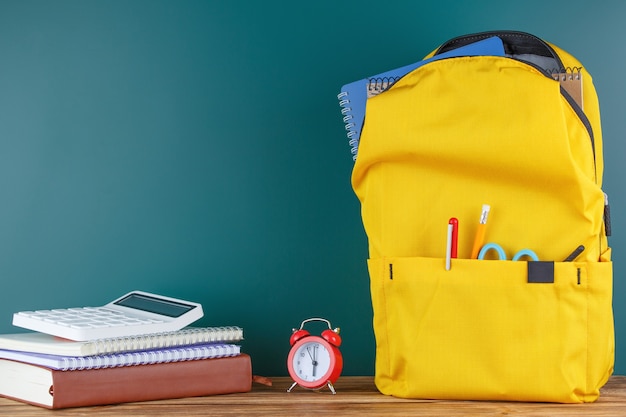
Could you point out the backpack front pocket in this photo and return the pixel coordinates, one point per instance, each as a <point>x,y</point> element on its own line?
<point>482,331</point>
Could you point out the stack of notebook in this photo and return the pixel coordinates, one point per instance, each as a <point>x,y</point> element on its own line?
<point>50,372</point>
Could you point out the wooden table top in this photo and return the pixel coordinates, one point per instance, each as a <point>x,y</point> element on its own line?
<point>356,396</point>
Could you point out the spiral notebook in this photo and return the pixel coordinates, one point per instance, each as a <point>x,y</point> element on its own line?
<point>45,343</point>
<point>144,357</point>
<point>571,80</point>
<point>353,97</point>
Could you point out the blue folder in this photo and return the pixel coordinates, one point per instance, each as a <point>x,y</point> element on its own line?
<point>353,97</point>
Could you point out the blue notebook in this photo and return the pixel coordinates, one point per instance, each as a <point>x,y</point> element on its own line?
<point>353,97</point>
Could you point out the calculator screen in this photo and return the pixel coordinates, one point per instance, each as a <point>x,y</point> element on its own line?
<point>155,305</point>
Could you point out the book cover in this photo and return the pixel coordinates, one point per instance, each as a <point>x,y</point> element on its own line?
<point>44,343</point>
<point>53,389</point>
<point>144,357</point>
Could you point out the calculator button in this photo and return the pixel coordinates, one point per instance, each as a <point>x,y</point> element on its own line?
<point>81,326</point>
<point>76,321</point>
<point>49,319</point>
<point>107,311</point>
<point>40,314</point>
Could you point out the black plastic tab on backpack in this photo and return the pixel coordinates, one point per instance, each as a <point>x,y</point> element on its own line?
<point>541,272</point>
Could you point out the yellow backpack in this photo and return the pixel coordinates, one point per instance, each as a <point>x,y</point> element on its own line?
<point>510,147</point>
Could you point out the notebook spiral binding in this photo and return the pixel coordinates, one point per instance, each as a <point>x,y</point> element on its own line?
<point>376,86</point>
<point>348,117</point>
<point>373,87</point>
<point>567,74</point>
<point>148,357</point>
<point>184,337</point>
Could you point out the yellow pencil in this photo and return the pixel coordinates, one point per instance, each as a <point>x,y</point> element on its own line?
<point>479,239</point>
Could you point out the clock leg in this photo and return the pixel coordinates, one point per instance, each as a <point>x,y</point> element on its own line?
<point>292,386</point>
<point>332,389</point>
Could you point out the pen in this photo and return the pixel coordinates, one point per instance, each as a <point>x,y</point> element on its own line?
<point>480,231</point>
<point>575,254</point>
<point>452,242</point>
<point>449,247</point>
<point>455,237</point>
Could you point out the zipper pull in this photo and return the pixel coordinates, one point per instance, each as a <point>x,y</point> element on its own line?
<point>607,215</point>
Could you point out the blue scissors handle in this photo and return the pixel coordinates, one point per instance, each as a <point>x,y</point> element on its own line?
<point>502,255</point>
<point>526,252</point>
<point>492,246</point>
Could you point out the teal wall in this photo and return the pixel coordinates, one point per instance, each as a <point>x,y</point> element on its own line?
<point>196,149</point>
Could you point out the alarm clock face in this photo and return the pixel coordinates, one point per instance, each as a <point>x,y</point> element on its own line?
<point>313,362</point>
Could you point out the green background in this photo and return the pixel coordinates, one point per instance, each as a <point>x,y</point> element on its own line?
<point>196,149</point>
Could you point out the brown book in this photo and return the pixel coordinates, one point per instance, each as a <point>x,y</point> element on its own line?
<point>53,389</point>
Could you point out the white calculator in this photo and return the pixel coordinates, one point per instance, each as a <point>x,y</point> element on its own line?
<point>132,314</point>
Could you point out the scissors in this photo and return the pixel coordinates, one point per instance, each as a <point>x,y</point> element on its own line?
<point>502,256</point>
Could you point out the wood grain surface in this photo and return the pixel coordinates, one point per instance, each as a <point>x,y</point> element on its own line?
<point>356,396</point>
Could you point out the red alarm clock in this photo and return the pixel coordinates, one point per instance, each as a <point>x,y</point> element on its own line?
<point>315,361</point>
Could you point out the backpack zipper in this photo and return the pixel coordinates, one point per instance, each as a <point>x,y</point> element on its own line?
<point>534,46</point>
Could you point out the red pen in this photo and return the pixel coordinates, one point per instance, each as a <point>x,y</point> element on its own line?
<point>455,237</point>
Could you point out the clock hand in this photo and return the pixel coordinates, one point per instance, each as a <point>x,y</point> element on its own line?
<point>315,355</point>
<point>313,358</point>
